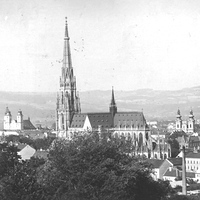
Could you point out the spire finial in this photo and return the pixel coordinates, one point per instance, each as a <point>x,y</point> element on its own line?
<point>66,30</point>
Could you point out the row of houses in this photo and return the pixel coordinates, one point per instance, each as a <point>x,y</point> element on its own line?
<point>171,168</point>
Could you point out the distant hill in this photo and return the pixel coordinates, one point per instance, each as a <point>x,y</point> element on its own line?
<point>156,104</point>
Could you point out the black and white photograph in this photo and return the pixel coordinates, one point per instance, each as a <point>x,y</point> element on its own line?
<point>99,100</point>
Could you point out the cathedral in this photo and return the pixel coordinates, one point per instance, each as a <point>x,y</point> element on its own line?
<point>70,120</point>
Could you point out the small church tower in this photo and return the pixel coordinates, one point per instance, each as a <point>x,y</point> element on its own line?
<point>19,120</point>
<point>178,121</point>
<point>68,102</point>
<point>7,119</point>
<point>191,122</point>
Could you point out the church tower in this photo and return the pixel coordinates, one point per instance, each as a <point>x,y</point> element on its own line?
<point>113,106</point>
<point>7,119</point>
<point>191,122</point>
<point>19,120</point>
<point>68,102</point>
<point>178,121</point>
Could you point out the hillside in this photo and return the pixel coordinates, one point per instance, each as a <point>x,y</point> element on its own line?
<point>161,105</point>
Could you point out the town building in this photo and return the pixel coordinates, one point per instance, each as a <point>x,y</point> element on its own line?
<point>192,160</point>
<point>187,126</point>
<point>10,124</point>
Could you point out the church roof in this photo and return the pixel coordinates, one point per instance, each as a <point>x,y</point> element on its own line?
<point>102,119</point>
<point>27,124</point>
<point>122,119</point>
<point>128,119</point>
<point>78,120</point>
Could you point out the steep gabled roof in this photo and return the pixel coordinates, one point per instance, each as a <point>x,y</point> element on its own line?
<point>102,119</point>
<point>78,120</point>
<point>129,119</point>
<point>28,125</point>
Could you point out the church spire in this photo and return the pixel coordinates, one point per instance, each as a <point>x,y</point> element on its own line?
<point>113,106</point>
<point>113,97</point>
<point>67,61</point>
<point>67,99</point>
<point>67,70</point>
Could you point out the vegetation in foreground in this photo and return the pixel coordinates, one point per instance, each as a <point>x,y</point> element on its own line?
<point>88,167</point>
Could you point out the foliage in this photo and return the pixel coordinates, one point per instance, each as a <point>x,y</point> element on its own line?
<point>8,159</point>
<point>43,143</point>
<point>22,183</point>
<point>88,167</point>
<point>92,167</point>
<point>36,144</point>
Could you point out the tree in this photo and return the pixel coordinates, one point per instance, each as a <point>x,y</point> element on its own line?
<point>8,158</point>
<point>92,167</point>
<point>22,183</point>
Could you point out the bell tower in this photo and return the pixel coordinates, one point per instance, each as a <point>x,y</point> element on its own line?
<point>178,121</point>
<point>191,122</point>
<point>68,102</point>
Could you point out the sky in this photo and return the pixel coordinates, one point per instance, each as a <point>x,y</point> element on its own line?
<point>128,44</point>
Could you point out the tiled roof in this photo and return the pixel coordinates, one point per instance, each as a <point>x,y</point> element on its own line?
<point>103,119</point>
<point>193,155</point>
<point>175,161</point>
<point>128,119</point>
<point>155,162</point>
<point>28,125</point>
<point>174,172</point>
<point>121,119</point>
<point>78,120</point>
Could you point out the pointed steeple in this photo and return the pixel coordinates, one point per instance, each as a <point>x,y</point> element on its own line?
<point>113,97</point>
<point>113,106</point>
<point>67,61</point>
<point>67,70</point>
